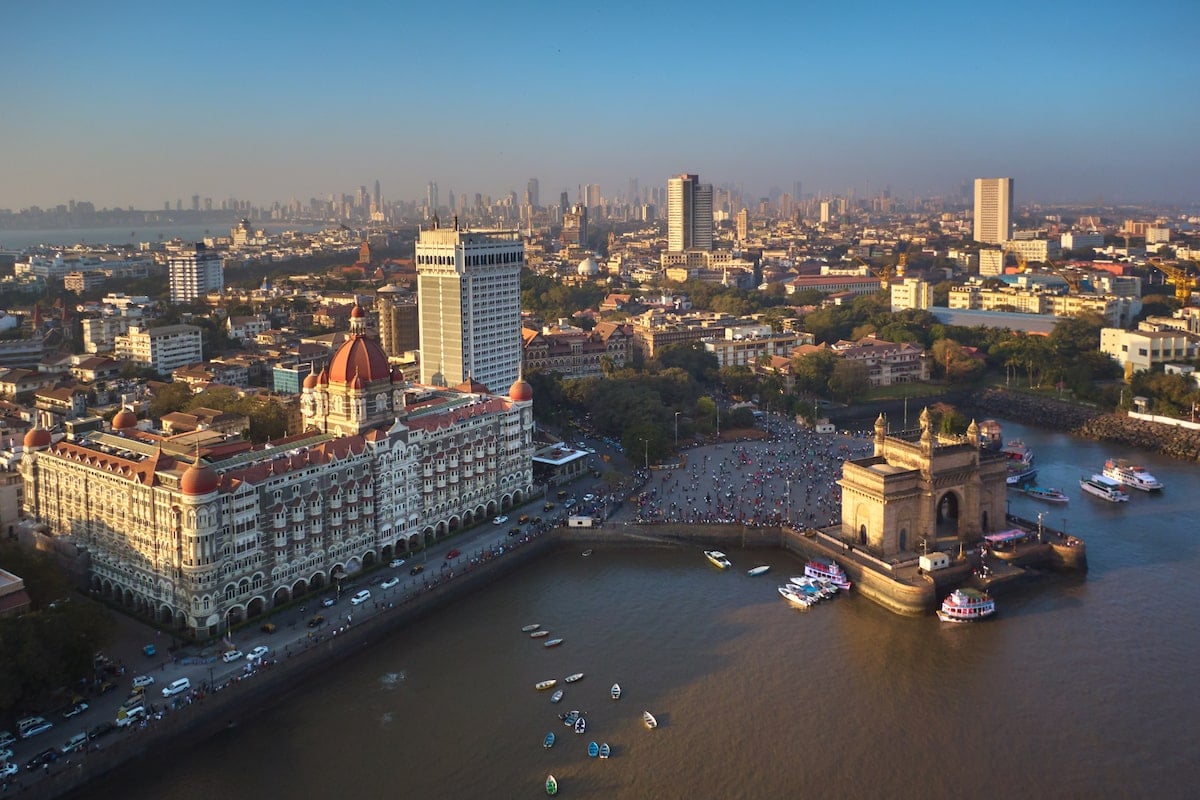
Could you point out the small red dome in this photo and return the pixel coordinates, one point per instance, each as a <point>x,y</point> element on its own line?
<point>323,378</point>
<point>310,381</point>
<point>357,312</point>
<point>521,391</point>
<point>357,384</point>
<point>198,479</point>
<point>124,419</point>
<point>362,356</point>
<point>37,437</point>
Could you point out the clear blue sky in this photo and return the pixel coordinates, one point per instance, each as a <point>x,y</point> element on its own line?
<point>134,103</point>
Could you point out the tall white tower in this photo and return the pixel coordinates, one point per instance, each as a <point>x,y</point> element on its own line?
<point>993,210</point>
<point>469,306</point>
<point>689,214</point>
<point>194,272</point>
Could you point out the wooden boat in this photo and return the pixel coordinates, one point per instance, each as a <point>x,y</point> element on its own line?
<point>548,742</point>
<point>580,725</point>
<point>616,691</point>
<point>758,570</point>
<point>543,685</point>
<point>572,678</point>
<point>718,559</point>
<point>649,719</point>
<point>551,785</point>
<point>570,718</point>
<point>553,643</point>
<point>558,695</point>
<point>539,634</point>
<point>593,749</point>
<point>605,750</point>
<point>529,628</point>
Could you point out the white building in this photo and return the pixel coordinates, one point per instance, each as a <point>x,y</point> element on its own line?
<point>1034,249</point>
<point>469,306</point>
<point>194,272</point>
<point>1081,241</point>
<point>991,262</point>
<point>689,214</point>
<point>911,293</point>
<point>164,348</point>
<point>1141,349</point>
<point>993,210</point>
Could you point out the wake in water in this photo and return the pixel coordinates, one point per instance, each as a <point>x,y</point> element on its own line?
<point>391,680</point>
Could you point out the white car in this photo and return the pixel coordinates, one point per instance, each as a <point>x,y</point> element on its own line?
<point>396,562</point>
<point>232,655</point>
<point>258,652</point>
<point>360,598</point>
<point>587,498</point>
<point>142,681</point>
<point>8,770</point>
<point>499,520</point>
<point>389,583</point>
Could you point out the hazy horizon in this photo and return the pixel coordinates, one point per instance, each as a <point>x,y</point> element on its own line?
<point>269,101</point>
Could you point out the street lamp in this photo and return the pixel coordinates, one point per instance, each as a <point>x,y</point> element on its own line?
<point>788,481</point>
<point>677,427</point>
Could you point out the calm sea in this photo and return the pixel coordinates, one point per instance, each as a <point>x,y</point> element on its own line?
<point>1079,688</point>
<point>65,237</point>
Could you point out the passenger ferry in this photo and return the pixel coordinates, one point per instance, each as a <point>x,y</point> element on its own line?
<point>1133,475</point>
<point>1016,450</point>
<point>1019,473</point>
<point>829,570</point>
<point>1105,488</point>
<point>966,605</point>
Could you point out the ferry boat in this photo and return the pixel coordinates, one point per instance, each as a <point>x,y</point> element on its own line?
<point>1040,493</point>
<point>1132,475</point>
<point>1105,488</point>
<point>829,570</point>
<point>1019,473</point>
<point>966,605</point>
<point>1016,450</point>
<point>718,559</point>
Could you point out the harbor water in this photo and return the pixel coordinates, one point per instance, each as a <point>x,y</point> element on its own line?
<point>1080,686</point>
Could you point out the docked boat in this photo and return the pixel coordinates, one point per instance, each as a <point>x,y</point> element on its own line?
<point>966,605</point>
<point>539,634</point>
<point>1016,450</point>
<point>829,570</point>
<point>553,643</point>
<point>530,628</point>
<point>649,719</point>
<point>1018,473</point>
<point>541,686</point>
<point>580,725</point>
<point>551,785</point>
<point>616,691</point>
<point>757,570</point>
<point>1041,493</point>
<point>605,750</point>
<point>557,696</point>
<point>1131,475</point>
<point>718,559</point>
<point>593,749</point>
<point>575,677</point>
<point>570,718</point>
<point>1103,487</point>
<point>548,742</point>
<point>796,597</point>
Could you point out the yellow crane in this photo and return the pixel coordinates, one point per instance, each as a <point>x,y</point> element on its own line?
<point>1071,276</point>
<point>1183,281</point>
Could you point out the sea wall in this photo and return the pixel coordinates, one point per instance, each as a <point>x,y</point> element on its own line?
<point>1043,412</point>
<point>1168,440</point>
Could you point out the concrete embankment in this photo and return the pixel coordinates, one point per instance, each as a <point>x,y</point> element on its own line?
<point>1165,439</point>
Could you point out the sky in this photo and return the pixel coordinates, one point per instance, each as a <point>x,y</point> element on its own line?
<point>136,103</point>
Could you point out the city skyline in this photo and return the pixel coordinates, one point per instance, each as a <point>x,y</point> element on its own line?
<point>271,101</point>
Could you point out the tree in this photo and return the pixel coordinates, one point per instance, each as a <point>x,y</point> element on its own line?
<point>850,379</point>
<point>955,363</point>
<point>812,372</point>
<point>692,357</point>
<point>170,398</point>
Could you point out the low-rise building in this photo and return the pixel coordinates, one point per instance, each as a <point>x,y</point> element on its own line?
<point>164,348</point>
<point>1139,350</point>
<point>887,362</point>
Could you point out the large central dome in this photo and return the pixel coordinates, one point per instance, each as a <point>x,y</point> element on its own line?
<point>362,357</point>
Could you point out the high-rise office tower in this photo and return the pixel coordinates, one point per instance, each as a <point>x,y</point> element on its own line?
<point>743,224</point>
<point>531,193</point>
<point>431,197</point>
<point>575,226</point>
<point>469,306</point>
<point>564,202</point>
<point>378,197</point>
<point>633,198</point>
<point>993,210</point>
<point>398,331</point>
<point>591,195</point>
<point>689,214</point>
<point>194,272</point>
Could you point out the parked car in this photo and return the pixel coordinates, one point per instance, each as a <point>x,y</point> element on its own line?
<point>142,681</point>
<point>5,754</point>
<point>102,729</point>
<point>523,519</point>
<point>513,531</point>
<point>105,687</point>
<point>548,506</point>
<point>9,770</point>
<point>396,562</point>
<point>589,497</point>
<point>231,656</point>
<point>329,602</point>
<point>360,598</point>
<point>32,726</point>
<point>390,582</point>
<point>500,520</point>
<point>176,687</point>
<point>47,756</point>
<point>76,742</point>
<point>257,653</point>
<point>75,710</point>
<point>6,738</point>
<point>315,621</point>
<point>418,569</point>
<point>570,503</point>
<point>455,553</point>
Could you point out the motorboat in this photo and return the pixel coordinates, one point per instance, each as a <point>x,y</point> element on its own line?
<point>1047,495</point>
<point>553,643</point>
<point>570,718</point>
<point>616,691</point>
<point>551,785</point>
<point>718,559</point>
<point>1103,487</point>
<point>1018,451</point>
<point>541,686</point>
<point>829,570</point>
<point>575,677</point>
<point>557,696</point>
<point>548,742</point>
<point>966,605</point>
<point>587,553</point>
<point>1131,475</point>
<point>796,597</point>
<point>539,634</point>
<point>580,725</point>
<point>530,628</point>
<point>593,749</point>
<point>757,570</point>
<point>649,719</point>
<point>1018,473</point>
<point>605,750</point>
<point>818,588</point>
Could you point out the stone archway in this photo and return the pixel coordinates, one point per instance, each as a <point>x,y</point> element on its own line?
<point>166,615</point>
<point>299,588</point>
<point>257,606</point>
<point>947,514</point>
<point>281,597</point>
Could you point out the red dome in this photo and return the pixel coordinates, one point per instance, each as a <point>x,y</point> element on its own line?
<point>362,356</point>
<point>521,391</point>
<point>124,419</point>
<point>37,437</point>
<point>198,479</point>
<point>310,381</point>
<point>323,378</point>
<point>357,313</point>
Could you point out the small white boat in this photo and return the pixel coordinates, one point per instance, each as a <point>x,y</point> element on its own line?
<point>557,696</point>
<point>543,685</point>
<point>553,643</point>
<point>758,570</point>
<point>827,569</point>
<point>551,785</point>
<point>575,677</point>
<point>530,628</point>
<point>796,597</point>
<point>587,553</point>
<point>966,605</point>
<point>649,719</point>
<point>605,750</point>
<point>570,718</point>
<point>580,725</point>
<point>615,691</point>
<point>1105,488</point>
<point>1131,475</point>
<point>539,634</point>
<point>718,559</point>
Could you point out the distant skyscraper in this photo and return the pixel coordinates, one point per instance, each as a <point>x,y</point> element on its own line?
<point>469,306</point>
<point>195,202</point>
<point>591,196</point>
<point>796,191</point>
<point>575,226</point>
<point>431,196</point>
<point>993,210</point>
<point>195,272</point>
<point>743,224</point>
<point>378,197</point>
<point>531,193</point>
<point>564,202</point>
<point>825,211</point>
<point>689,214</point>
<point>633,198</point>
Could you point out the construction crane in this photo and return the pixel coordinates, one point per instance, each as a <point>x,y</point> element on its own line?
<point>1183,281</point>
<point>1072,277</point>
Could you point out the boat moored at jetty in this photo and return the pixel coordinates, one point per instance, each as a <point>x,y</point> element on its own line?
<point>1131,475</point>
<point>1041,493</point>
<point>718,559</point>
<point>827,569</point>
<point>966,605</point>
<point>1103,487</point>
